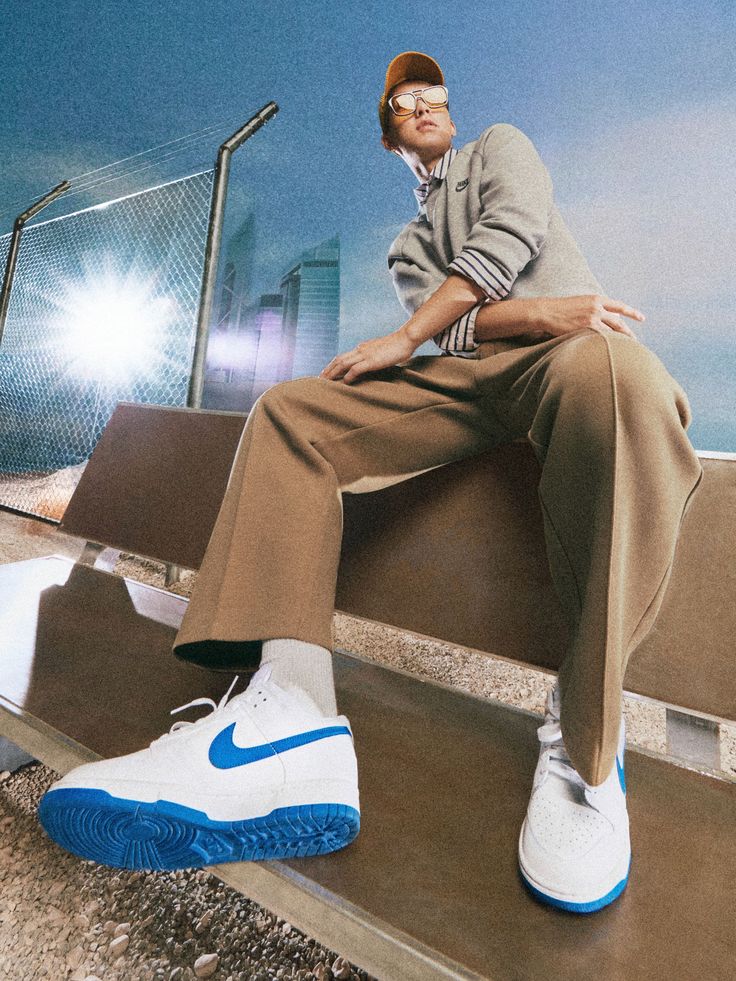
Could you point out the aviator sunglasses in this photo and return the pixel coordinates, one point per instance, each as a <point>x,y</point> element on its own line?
<point>433,97</point>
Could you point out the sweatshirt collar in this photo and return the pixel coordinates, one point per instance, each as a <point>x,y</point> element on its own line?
<point>438,173</point>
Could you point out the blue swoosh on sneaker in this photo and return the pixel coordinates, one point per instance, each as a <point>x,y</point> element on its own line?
<point>621,777</point>
<point>224,754</point>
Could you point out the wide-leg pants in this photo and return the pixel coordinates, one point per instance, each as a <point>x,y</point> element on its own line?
<point>608,425</point>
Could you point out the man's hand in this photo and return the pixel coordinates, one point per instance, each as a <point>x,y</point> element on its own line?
<point>380,352</point>
<point>563,314</point>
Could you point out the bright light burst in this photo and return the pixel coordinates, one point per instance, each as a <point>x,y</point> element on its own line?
<point>114,326</point>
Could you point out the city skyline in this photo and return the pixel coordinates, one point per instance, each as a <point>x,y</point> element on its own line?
<point>256,342</point>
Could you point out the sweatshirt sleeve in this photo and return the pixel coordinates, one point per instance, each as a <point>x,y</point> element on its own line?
<point>414,283</point>
<point>515,208</point>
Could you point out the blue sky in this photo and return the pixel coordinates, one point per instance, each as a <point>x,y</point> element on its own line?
<point>632,107</point>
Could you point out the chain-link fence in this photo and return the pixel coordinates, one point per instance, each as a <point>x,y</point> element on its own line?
<point>103,308</point>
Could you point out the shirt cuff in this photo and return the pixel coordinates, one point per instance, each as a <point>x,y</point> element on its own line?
<point>474,265</point>
<point>459,337</point>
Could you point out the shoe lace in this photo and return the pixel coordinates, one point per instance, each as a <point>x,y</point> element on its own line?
<point>554,755</point>
<point>216,707</point>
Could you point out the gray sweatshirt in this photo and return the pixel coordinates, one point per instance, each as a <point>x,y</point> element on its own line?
<point>488,213</point>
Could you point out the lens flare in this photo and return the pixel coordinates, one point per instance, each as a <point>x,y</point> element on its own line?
<point>113,327</point>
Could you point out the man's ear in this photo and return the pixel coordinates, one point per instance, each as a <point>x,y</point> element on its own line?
<point>387,145</point>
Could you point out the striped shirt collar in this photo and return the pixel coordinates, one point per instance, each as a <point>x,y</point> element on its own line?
<point>438,172</point>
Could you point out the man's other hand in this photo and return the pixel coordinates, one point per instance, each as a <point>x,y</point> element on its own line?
<point>564,314</point>
<point>379,352</point>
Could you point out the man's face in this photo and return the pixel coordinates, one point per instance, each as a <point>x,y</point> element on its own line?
<point>426,133</point>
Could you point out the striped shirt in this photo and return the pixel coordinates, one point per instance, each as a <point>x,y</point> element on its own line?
<point>458,338</point>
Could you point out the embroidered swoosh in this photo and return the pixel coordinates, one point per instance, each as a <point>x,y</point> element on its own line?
<point>224,754</point>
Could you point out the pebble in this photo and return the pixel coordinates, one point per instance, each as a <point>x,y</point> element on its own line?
<point>118,946</point>
<point>109,927</point>
<point>341,969</point>
<point>206,965</point>
<point>4,776</point>
<point>120,929</point>
<point>75,957</point>
<point>204,921</point>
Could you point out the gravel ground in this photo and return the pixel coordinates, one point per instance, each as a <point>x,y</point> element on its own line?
<point>63,918</point>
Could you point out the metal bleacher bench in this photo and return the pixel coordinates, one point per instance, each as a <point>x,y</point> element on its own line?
<point>429,888</point>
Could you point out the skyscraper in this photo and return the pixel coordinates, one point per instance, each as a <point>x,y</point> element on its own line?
<point>268,320</point>
<point>311,311</point>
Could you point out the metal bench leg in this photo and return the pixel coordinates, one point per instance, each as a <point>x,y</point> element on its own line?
<point>12,756</point>
<point>693,739</point>
<point>92,554</point>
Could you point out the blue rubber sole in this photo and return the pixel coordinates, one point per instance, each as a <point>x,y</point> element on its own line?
<point>164,836</point>
<point>590,907</point>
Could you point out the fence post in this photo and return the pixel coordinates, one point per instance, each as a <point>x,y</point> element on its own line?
<point>15,246</point>
<point>212,248</point>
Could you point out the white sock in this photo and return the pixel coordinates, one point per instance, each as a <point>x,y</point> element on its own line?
<point>298,664</point>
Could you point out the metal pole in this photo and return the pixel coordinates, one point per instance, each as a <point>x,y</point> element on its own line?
<point>15,246</point>
<point>212,248</point>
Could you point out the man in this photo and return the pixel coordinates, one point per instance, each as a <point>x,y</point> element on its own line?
<point>488,269</point>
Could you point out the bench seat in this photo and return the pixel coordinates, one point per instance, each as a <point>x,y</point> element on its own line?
<point>429,888</point>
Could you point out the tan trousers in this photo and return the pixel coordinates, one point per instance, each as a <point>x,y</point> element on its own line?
<point>607,423</point>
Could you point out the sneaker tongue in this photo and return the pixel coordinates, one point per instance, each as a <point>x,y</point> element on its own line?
<point>262,674</point>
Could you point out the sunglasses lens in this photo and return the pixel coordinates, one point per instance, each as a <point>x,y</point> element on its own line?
<point>435,96</point>
<point>403,104</point>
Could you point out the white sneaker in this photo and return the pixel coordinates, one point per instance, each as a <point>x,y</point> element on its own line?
<point>574,847</point>
<point>264,776</point>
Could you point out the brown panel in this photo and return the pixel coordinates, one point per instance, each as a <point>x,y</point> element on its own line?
<point>689,656</point>
<point>469,538</point>
<point>89,653</point>
<point>155,481</point>
<point>444,783</point>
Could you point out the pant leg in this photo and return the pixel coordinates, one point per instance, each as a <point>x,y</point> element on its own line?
<point>608,425</point>
<point>270,569</point>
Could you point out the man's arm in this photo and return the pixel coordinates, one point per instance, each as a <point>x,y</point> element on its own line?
<point>455,297</point>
